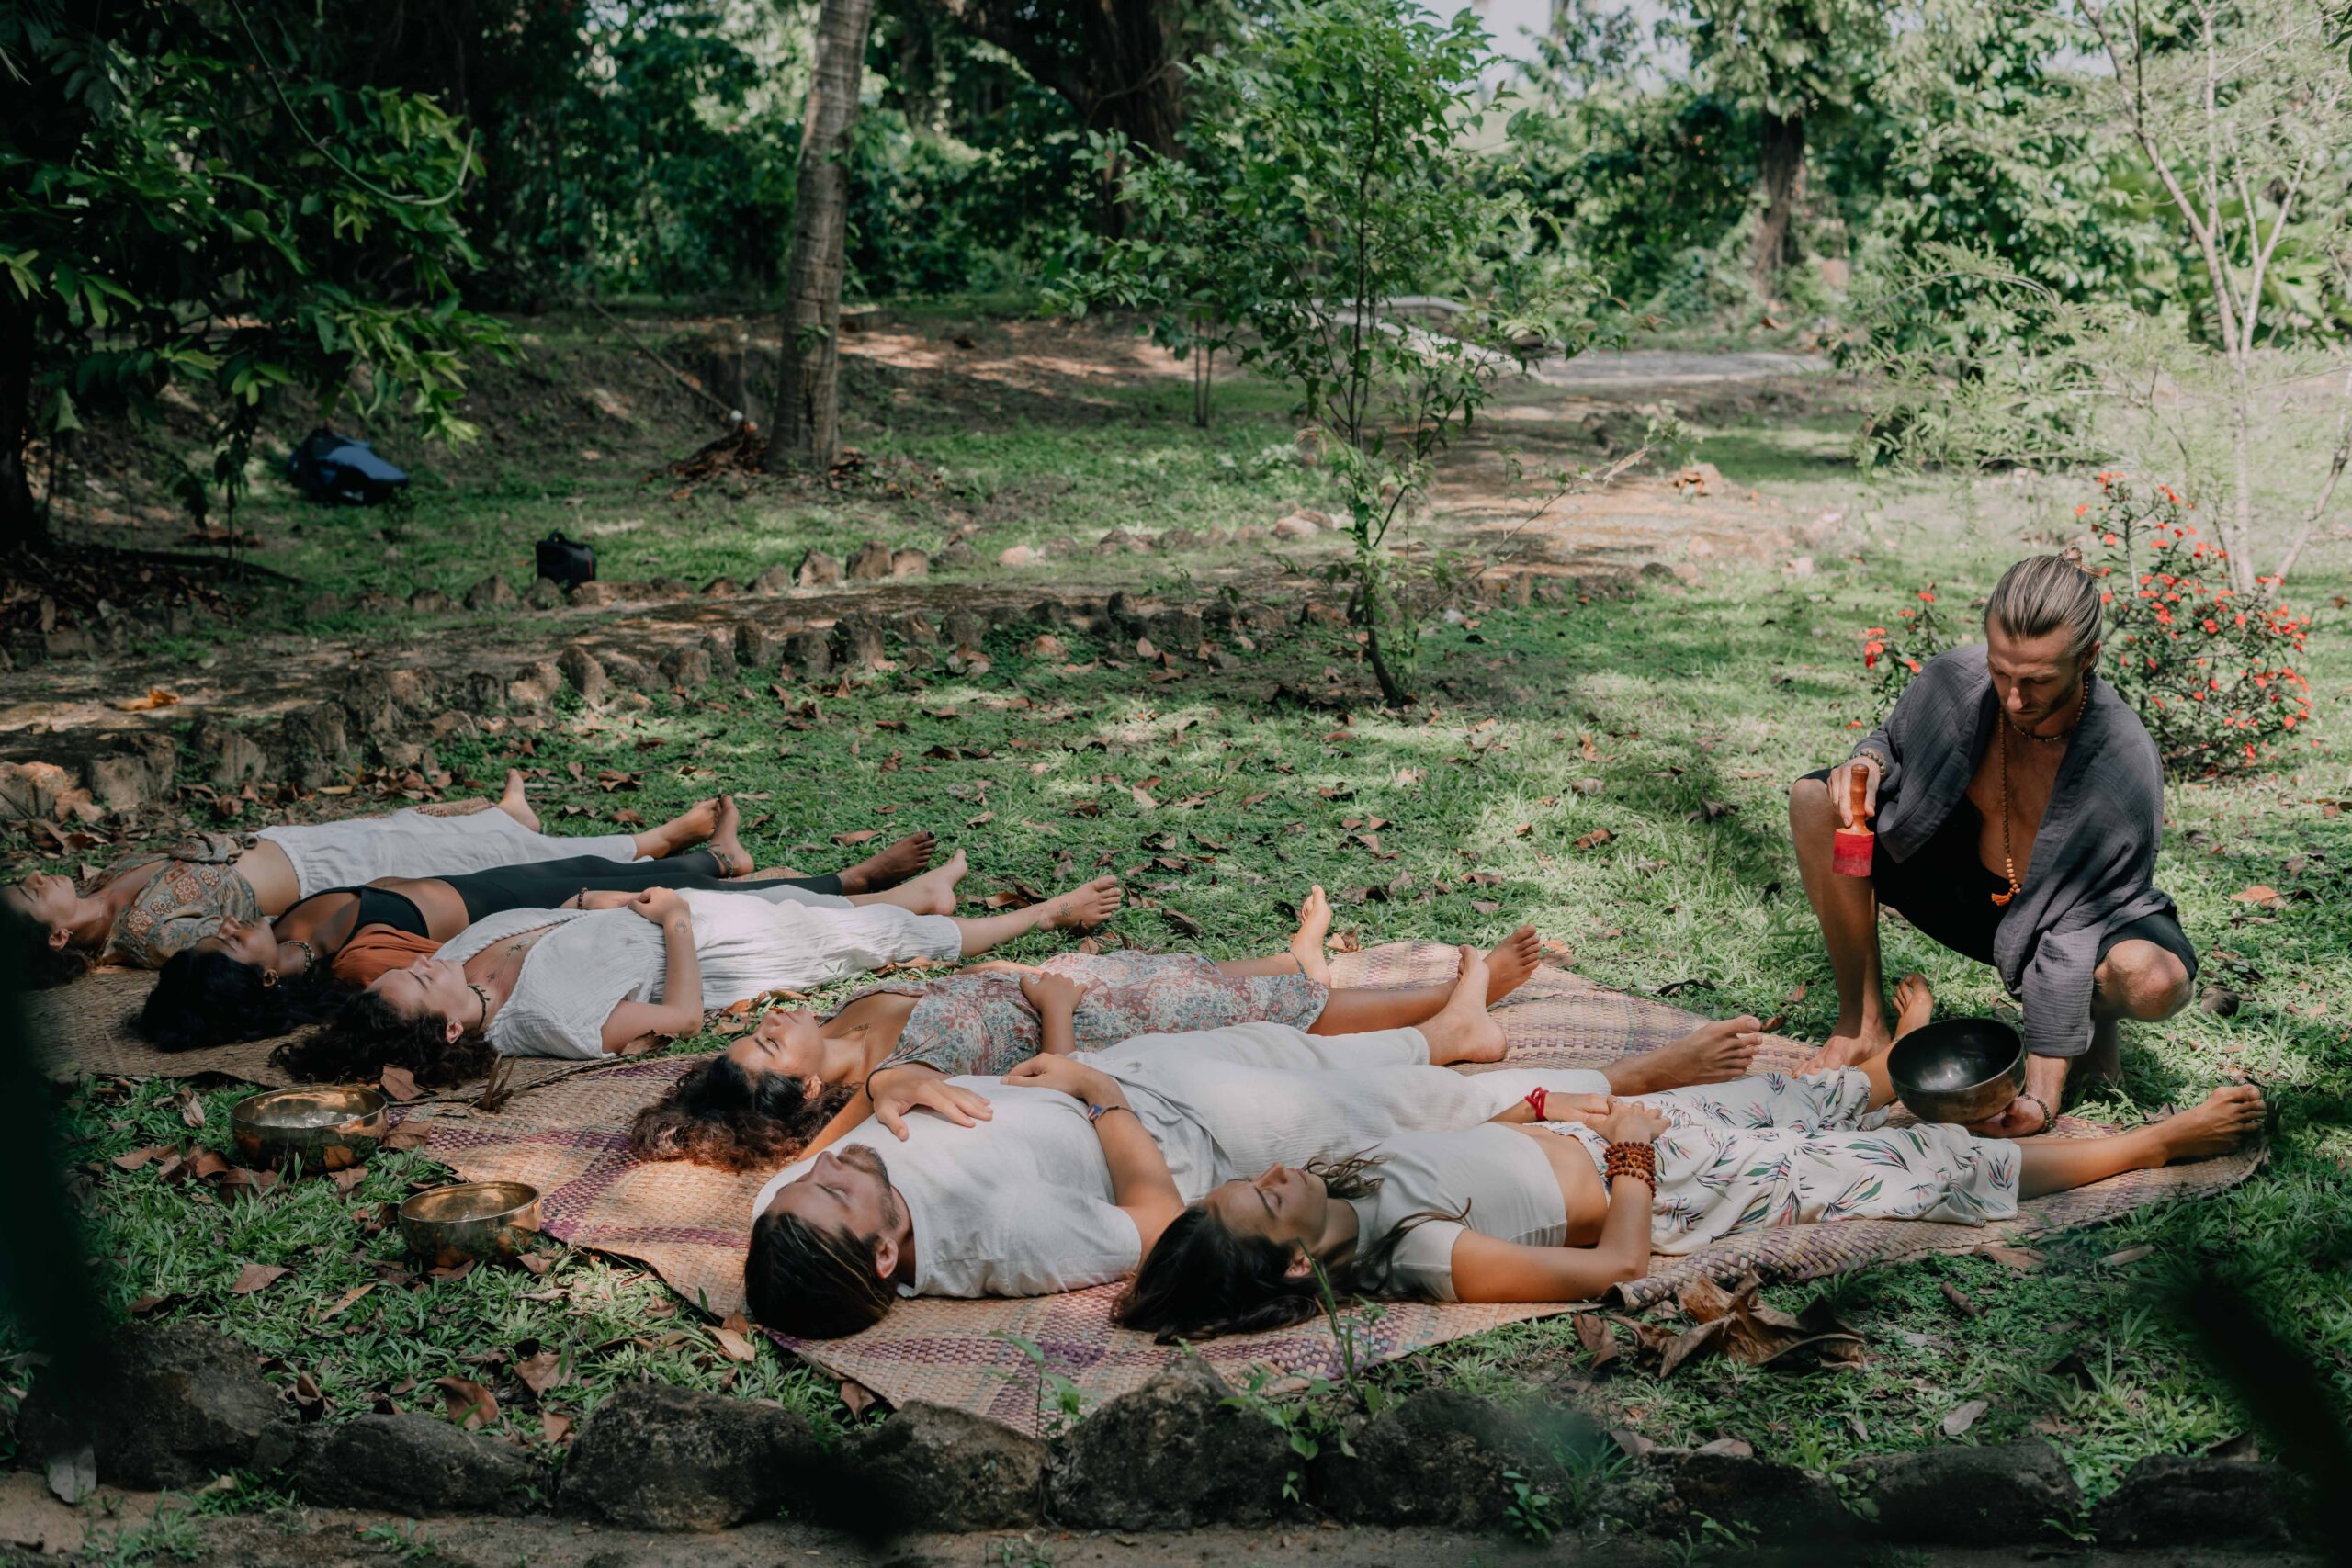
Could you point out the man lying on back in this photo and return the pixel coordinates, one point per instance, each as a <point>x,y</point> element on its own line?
<point>1055,1180</point>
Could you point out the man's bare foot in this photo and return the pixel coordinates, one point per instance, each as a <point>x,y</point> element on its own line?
<point>684,831</point>
<point>906,858</point>
<point>1915,1004</point>
<point>1462,1032</point>
<point>1082,906</point>
<point>512,802</point>
<point>725,842</point>
<point>1850,1047</point>
<point>1713,1053</point>
<point>2230,1116</point>
<point>1512,961</point>
<point>1314,926</point>
<point>933,892</point>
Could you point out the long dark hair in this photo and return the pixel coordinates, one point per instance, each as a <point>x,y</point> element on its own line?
<point>718,1114</point>
<point>1200,1280</point>
<point>367,1034</point>
<point>44,966</point>
<point>210,998</point>
<point>813,1283</point>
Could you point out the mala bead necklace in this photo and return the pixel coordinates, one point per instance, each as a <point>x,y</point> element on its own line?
<point>2008,860</point>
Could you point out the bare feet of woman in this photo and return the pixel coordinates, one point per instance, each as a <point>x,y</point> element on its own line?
<point>933,892</point>
<point>511,801</point>
<point>1849,1048</point>
<point>1915,1004</point>
<point>1713,1053</point>
<point>1512,961</point>
<point>684,831</point>
<point>2230,1116</point>
<point>1313,927</point>
<point>725,842</point>
<point>906,858</point>
<point>1462,1032</point>
<point>1082,906</point>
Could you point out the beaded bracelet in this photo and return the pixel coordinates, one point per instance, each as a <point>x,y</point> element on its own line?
<point>1536,1098</point>
<point>1637,1160</point>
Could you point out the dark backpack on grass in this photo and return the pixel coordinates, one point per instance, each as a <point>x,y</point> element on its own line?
<point>332,467</point>
<point>566,561</point>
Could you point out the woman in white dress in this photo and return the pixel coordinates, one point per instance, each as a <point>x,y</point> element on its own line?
<point>582,982</point>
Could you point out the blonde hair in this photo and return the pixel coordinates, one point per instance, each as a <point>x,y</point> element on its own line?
<point>2042,595</point>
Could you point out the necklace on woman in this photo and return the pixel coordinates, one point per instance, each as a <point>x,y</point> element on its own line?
<point>483,998</point>
<point>310,953</point>
<point>2008,860</point>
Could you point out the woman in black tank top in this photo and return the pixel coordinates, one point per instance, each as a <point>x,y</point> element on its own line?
<point>254,980</point>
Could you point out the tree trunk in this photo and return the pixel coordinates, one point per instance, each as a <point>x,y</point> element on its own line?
<point>23,526</point>
<point>805,427</point>
<point>1781,157</point>
<point>2239,536</point>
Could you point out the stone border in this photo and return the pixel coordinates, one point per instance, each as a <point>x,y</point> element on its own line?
<point>177,1402</point>
<point>396,717</point>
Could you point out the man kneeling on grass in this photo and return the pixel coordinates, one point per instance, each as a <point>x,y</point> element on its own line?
<point>1062,1177</point>
<point>2018,803</point>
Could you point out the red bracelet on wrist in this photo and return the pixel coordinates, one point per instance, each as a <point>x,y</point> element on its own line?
<point>1536,1098</point>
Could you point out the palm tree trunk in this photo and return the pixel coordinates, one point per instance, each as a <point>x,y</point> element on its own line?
<point>806,425</point>
<point>1781,157</point>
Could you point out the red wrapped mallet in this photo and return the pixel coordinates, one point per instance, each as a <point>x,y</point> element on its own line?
<point>1850,848</point>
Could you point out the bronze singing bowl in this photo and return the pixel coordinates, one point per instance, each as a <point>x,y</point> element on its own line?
<point>327,1127</point>
<point>481,1219</point>
<point>1958,1069</point>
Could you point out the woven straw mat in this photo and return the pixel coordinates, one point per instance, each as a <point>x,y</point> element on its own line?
<point>690,1224</point>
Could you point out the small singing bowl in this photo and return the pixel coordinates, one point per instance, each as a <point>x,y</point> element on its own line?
<point>1958,1069</point>
<point>326,1127</point>
<point>483,1221</point>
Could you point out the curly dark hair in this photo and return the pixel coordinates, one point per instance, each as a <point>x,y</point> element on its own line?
<point>44,966</point>
<point>366,1036</point>
<point>718,1114</point>
<point>1200,1280</point>
<point>210,998</point>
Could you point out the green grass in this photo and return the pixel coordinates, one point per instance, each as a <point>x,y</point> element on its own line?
<point>1672,699</point>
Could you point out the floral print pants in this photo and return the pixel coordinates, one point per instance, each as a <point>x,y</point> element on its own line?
<point>1778,1149</point>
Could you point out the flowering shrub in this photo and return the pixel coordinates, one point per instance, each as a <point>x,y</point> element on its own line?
<point>2214,675</point>
<point>1892,655</point>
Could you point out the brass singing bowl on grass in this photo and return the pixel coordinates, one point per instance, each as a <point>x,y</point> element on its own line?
<point>484,1221</point>
<point>1958,1069</point>
<point>326,1127</point>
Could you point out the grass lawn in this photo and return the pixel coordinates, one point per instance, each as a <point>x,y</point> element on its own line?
<point>1679,702</point>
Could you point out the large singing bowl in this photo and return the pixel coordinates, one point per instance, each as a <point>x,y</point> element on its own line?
<point>325,1127</point>
<point>1959,1069</point>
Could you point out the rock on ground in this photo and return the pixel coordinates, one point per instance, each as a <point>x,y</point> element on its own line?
<point>1440,1458</point>
<point>657,1457</point>
<point>1999,1496</point>
<point>929,1467</point>
<point>170,1404</point>
<point>417,1465</point>
<point>1170,1455</point>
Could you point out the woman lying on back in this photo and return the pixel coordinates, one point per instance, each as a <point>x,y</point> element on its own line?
<point>583,982</point>
<point>142,910</point>
<point>252,979</point>
<point>1563,1210</point>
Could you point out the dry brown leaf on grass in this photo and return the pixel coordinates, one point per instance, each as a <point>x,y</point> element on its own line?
<point>467,1403</point>
<point>555,1429</point>
<point>256,1276</point>
<point>849,841</point>
<point>191,1107</point>
<point>857,1396</point>
<point>2260,893</point>
<point>1593,1333</point>
<point>542,1371</point>
<point>341,1303</point>
<point>734,1337</point>
<point>1957,1424</point>
<point>399,1083</point>
<point>1593,840</point>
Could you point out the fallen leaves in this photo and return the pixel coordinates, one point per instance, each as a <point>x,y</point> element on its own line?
<point>256,1276</point>
<point>1733,1321</point>
<point>467,1403</point>
<point>399,1083</point>
<point>1957,1424</point>
<point>1593,840</point>
<point>2261,895</point>
<point>851,840</point>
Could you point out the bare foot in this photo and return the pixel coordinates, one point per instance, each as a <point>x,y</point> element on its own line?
<point>514,805</point>
<point>1082,906</point>
<point>1848,1048</point>
<point>1461,1031</point>
<point>1915,1004</point>
<point>1713,1053</point>
<point>1314,926</point>
<point>1512,961</point>
<point>2230,1116</point>
<point>725,841</point>
<point>684,831</point>
<point>906,858</point>
<point>933,892</point>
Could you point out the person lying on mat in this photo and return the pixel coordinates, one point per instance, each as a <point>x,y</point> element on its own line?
<point>796,1084</point>
<point>252,979</point>
<point>1055,1179</point>
<point>583,982</point>
<point>142,910</point>
<point>1563,1209</point>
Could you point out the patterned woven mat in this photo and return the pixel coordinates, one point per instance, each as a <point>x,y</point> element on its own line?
<point>84,1032</point>
<point>689,1224</point>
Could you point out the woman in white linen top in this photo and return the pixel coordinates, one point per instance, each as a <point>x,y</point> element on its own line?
<point>582,983</point>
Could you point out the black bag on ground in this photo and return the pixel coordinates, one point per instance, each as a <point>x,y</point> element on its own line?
<point>328,467</point>
<point>567,562</point>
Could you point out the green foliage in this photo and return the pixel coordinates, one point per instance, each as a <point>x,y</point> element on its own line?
<point>174,211</point>
<point>1787,59</point>
<point>1530,1510</point>
<point>1334,168</point>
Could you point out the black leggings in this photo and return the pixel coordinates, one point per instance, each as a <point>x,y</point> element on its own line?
<point>547,885</point>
